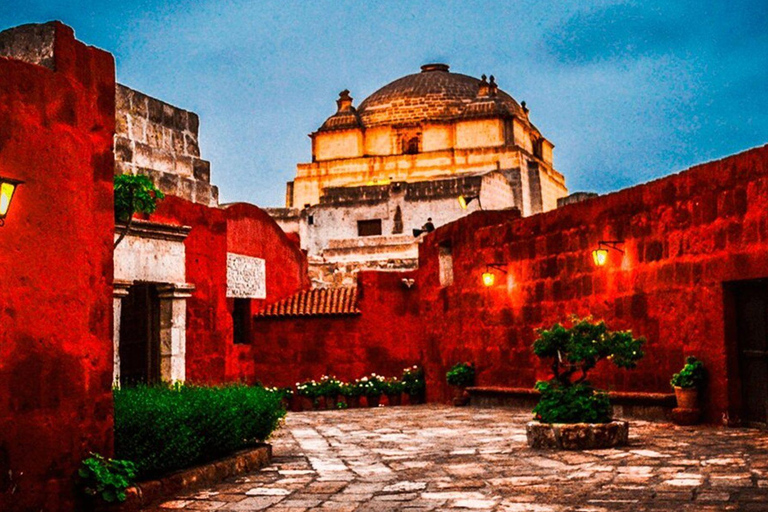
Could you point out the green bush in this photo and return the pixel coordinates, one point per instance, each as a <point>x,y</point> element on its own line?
<point>372,385</point>
<point>692,375</point>
<point>393,386</point>
<point>461,374</point>
<point>330,386</point>
<point>350,389</point>
<point>579,403</point>
<point>310,389</point>
<point>573,350</point>
<point>413,380</point>
<point>107,478</point>
<point>164,428</point>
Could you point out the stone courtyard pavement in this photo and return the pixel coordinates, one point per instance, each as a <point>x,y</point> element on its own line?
<point>445,458</point>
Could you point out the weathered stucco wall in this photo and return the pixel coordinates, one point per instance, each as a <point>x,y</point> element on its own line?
<point>56,129</point>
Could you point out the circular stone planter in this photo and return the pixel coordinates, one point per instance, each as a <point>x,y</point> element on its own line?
<point>577,436</point>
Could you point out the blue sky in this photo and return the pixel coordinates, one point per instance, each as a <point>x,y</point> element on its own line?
<point>627,91</point>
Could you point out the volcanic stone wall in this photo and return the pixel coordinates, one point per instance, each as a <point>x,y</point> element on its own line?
<point>685,238</point>
<point>161,141</point>
<point>56,133</point>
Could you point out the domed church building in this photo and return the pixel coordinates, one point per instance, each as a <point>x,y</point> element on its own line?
<point>407,154</point>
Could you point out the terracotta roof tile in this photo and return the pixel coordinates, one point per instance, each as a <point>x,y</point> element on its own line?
<point>317,302</point>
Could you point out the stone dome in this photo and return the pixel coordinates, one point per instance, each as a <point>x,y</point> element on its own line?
<point>435,94</point>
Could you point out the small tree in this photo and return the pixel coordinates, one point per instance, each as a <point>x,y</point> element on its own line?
<point>134,194</point>
<point>573,351</point>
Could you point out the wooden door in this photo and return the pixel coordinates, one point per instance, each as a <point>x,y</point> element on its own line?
<point>140,336</point>
<point>751,300</point>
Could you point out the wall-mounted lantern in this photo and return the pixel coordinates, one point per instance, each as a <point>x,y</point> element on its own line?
<point>489,278</point>
<point>7,189</point>
<point>600,255</point>
<point>465,200</point>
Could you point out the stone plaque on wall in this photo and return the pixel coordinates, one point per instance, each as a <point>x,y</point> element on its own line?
<point>246,277</point>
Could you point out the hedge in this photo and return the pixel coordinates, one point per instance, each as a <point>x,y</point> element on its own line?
<point>163,428</point>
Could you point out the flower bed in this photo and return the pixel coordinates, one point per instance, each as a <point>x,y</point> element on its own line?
<point>164,428</point>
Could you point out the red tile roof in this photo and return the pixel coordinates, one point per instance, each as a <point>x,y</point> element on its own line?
<point>316,302</point>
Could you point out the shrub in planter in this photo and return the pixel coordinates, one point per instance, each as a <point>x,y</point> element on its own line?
<point>579,403</point>
<point>573,351</point>
<point>310,390</point>
<point>393,388</point>
<point>163,428</point>
<point>372,387</point>
<point>351,393</point>
<point>461,376</point>
<point>106,478</point>
<point>415,385</point>
<point>688,382</point>
<point>330,388</point>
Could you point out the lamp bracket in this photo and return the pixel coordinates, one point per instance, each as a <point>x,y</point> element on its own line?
<point>611,244</point>
<point>502,267</point>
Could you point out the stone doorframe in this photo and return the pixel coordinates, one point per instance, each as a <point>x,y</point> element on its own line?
<point>173,329</point>
<point>155,253</point>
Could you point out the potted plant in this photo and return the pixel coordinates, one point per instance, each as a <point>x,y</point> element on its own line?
<point>351,393</point>
<point>688,382</point>
<point>311,392</point>
<point>372,388</point>
<point>461,376</point>
<point>330,388</point>
<point>571,414</point>
<point>414,383</point>
<point>393,388</point>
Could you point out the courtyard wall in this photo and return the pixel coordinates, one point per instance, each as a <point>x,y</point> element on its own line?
<point>685,237</point>
<point>56,259</point>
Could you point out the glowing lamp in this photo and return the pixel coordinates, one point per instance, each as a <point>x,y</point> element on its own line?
<point>600,256</point>
<point>7,189</point>
<point>465,200</point>
<point>489,278</point>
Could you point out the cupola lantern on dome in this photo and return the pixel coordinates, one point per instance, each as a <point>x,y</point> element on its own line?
<point>344,103</point>
<point>426,68</point>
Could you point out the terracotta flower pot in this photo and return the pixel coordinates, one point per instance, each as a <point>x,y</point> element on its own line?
<point>373,401</point>
<point>306,404</point>
<point>395,399</point>
<point>460,396</point>
<point>416,399</point>
<point>331,401</point>
<point>687,398</point>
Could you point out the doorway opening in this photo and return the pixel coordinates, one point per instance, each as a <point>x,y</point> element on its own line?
<point>140,336</point>
<point>748,327</point>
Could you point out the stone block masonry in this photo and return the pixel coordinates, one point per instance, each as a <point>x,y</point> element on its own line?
<point>161,141</point>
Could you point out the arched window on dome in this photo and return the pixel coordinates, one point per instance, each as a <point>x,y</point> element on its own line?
<point>411,145</point>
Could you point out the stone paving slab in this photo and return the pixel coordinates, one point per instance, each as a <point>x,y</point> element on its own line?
<point>433,457</point>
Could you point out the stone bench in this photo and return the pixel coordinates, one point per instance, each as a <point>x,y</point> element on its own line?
<point>645,406</point>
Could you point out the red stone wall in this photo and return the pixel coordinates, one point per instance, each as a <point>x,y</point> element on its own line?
<point>383,339</point>
<point>56,133</point>
<point>252,232</point>
<point>684,236</point>
<point>212,357</point>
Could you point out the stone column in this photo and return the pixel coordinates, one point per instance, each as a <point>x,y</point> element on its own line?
<point>119,290</point>
<point>173,330</point>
